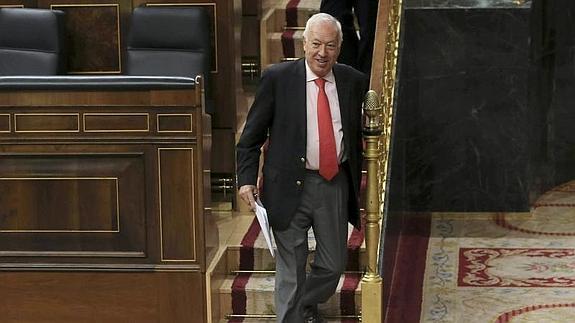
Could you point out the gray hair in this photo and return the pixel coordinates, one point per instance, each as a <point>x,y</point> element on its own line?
<point>323,17</point>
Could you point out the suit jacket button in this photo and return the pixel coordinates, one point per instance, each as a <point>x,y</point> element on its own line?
<point>298,183</point>
<point>302,160</point>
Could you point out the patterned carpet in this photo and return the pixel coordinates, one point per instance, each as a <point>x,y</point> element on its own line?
<point>503,267</point>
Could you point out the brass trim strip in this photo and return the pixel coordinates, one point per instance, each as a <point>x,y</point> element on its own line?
<point>293,28</point>
<point>115,179</point>
<point>117,5</point>
<point>107,254</point>
<point>16,115</point>
<point>160,205</point>
<point>273,316</point>
<point>147,115</point>
<point>270,272</point>
<point>255,316</point>
<point>98,267</point>
<point>191,115</point>
<point>11,6</point>
<point>9,123</point>
<point>94,72</point>
<point>186,4</point>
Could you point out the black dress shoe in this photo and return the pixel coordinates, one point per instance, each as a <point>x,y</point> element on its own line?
<point>316,318</point>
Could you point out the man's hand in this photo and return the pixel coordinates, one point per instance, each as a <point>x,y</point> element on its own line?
<point>249,193</point>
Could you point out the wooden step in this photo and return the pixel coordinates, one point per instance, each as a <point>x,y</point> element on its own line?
<point>274,46</point>
<point>275,17</point>
<point>262,259</point>
<point>274,22</point>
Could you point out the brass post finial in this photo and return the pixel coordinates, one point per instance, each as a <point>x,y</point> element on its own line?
<point>372,111</point>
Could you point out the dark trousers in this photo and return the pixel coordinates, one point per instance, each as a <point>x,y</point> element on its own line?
<point>323,208</point>
<point>355,51</point>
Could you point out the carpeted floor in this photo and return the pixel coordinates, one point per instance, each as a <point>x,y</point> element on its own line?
<point>503,267</point>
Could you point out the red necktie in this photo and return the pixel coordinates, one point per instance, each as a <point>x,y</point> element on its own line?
<point>328,166</point>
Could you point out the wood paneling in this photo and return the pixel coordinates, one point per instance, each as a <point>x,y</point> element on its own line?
<point>93,37</point>
<point>175,123</point>
<point>101,98</point>
<point>107,198</point>
<point>67,204</point>
<point>177,212</point>
<point>5,123</point>
<point>174,297</point>
<point>46,122</point>
<point>18,4</point>
<point>64,201</point>
<point>116,122</point>
<point>220,152</point>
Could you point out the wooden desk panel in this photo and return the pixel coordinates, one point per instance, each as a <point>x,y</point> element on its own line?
<point>63,201</point>
<point>95,183</point>
<point>174,297</point>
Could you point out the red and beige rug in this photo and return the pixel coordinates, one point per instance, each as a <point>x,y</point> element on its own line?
<point>503,267</point>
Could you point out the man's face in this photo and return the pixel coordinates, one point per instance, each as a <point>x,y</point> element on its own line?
<point>321,48</point>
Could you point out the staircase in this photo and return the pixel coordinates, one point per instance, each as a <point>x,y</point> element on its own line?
<point>281,29</point>
<point>246,293</point>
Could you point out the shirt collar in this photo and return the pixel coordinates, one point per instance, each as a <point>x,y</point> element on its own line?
<point>310,76</point>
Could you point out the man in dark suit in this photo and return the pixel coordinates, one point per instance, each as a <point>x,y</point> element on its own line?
<point>356,51</point>
<point>310,112</point>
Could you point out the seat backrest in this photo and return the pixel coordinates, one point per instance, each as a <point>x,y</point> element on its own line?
<point>32,42</point>
<point>169,42</point>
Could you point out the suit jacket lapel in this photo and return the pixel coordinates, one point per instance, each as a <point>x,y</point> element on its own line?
<point>298,87</point>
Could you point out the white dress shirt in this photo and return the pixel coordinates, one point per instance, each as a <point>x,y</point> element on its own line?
<point>312,90</point>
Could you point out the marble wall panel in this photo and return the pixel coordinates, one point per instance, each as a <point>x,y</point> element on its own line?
<point>461,122</point>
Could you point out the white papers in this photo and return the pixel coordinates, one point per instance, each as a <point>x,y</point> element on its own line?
<point>262,216</point>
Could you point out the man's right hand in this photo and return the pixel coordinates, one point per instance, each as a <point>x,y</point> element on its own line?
<point>249,193</point>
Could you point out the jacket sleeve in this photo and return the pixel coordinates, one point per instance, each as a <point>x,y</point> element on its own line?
<point>255,131</point>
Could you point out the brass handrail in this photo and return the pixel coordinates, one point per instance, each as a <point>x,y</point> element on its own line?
<point>377,134</point>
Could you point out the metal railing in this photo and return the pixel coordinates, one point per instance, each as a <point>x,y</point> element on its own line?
<point>377,134</point>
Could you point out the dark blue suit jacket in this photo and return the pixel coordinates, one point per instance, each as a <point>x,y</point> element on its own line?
<point>279,112</point>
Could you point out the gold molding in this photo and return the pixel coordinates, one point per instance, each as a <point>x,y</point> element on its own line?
<point>11,6</point>
<point>95,72</point>
<point>187,4</point>
<point>9,123</point>
<point>117,267</point>
<point>118,30</point>
<point>147,115</point>
<point>115,179</point>
<point>193,219</point>
<point>67,253</point>
<point>77,115</point>
<point>191,115</point>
